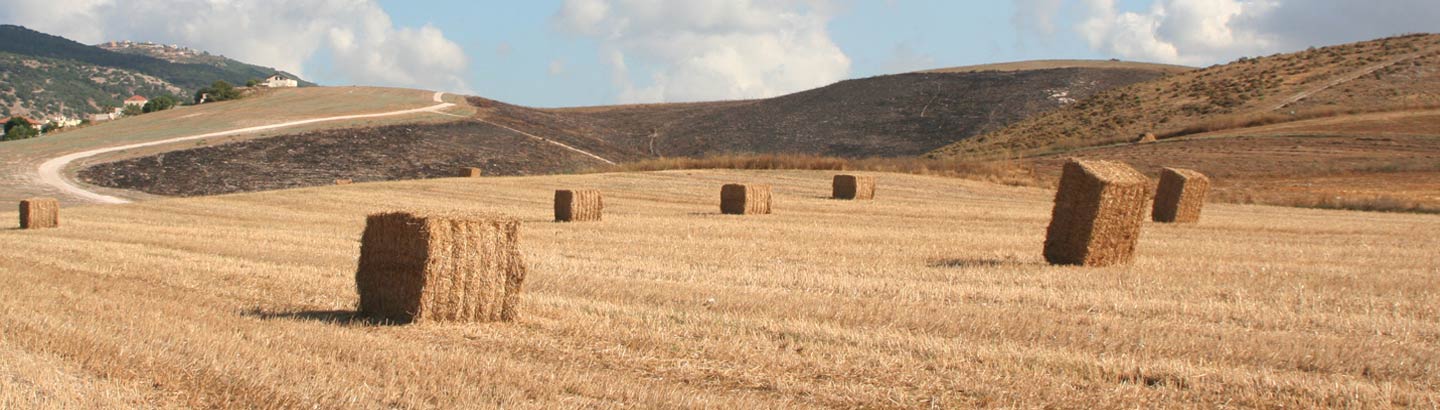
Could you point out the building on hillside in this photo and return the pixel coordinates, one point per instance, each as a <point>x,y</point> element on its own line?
<point>136,100</point>
<point>64,122</point>
<point>103,117</point>
<point>280,81</point>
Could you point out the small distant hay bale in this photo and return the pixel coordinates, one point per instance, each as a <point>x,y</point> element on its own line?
<point>853,187</point>
<point>745,199</point>
<point>1098,212</point>
<point>1145,138</point>
<point>343,182</point>
<point>470,173</point>
<point>440,267</point>
<point>578,205</point>
<point>1180,196</point>
<point>39,213</point>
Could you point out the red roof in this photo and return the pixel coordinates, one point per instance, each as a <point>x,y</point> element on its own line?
<point>27,119</point>
<point>137,99</point>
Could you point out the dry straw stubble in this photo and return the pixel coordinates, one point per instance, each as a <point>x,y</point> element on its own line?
<point>745,199</point>
<point>38,213</point>
<point>578,205</point>
<point>440,266</point>
<point>853,187</point>
<point>1180,196</point>
<point>1098,212</point>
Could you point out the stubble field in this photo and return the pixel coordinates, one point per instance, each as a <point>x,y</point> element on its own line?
<point>934,295</point>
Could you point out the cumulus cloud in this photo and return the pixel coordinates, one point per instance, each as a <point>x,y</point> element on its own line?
<point>709,49</point>
<point>1203,32</point>
<point>356,37</point>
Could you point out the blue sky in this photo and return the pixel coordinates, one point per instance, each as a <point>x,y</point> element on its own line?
<point>591,52</point>
<point>880,38</point>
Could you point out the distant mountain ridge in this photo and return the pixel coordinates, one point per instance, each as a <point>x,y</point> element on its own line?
<point>42,75</point>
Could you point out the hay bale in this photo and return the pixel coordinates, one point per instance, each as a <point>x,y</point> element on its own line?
<point>852,187</point>
<point>1145,138</point>
<point>1180,196</point>
<point>440,267</point>
<point>470,173</point>
<point>343,182</point>
<point>578,205</point>
<point>745,199</point>
<point>39,213</point>
<point>1097,215</point>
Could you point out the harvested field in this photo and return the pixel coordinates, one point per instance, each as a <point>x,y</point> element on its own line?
<point>940,298</point>
<point>1288,169</point>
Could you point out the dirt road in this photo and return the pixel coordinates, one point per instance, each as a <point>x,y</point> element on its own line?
<point>52,172</point>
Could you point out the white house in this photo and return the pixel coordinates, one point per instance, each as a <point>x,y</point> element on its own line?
<point>136,100</point>
<point>280,81</point>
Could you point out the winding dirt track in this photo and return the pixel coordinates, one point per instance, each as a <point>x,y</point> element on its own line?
<point>52,172</point>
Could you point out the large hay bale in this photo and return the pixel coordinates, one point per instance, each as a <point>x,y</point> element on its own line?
<point>745,199</point>
<point>343,182</point>
<point>578,205</point>
<point>470,173</point>
<point>1145,138</point>
<point>1180,196</point>
<point>39,213</point>
<point>852,187</point>
<point>1098,212</point>
<point>445,267</point>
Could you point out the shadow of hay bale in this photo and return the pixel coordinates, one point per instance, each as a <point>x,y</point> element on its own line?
<point>982,263</point>
<point>339,317</point>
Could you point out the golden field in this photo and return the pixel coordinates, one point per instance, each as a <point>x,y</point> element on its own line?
<point>934,295</point>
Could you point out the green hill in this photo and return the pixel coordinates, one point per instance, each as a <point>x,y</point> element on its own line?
<point>43,75</point>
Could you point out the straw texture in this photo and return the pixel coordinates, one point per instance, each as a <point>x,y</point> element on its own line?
<point>579,205</point>
<point>745,199</point>
<point>39,213</point>
<point>853,187</point>
<point>442,267</point>
<point>1180,196</point>
<point>1098,212</point>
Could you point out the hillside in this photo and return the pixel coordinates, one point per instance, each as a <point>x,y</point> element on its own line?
<point>1380,75</point>
<point>1053,64</point>
<point>933,296</point>
<point>896,115</point>
<point>185,55</point>
<point>19,160</point>
<point>42,73</point>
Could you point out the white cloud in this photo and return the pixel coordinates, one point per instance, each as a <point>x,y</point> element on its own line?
<point>1203,32</point>
<point>710,49</point>
<point>361,42</point>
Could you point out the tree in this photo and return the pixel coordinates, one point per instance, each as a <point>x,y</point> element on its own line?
<point>253,82</point>
<point>219,91</point>
<point>160,103</point>
<point>132,110</point>
<point>18,129</point>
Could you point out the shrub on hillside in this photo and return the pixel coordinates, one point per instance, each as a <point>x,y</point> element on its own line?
<point>160,103</point>
<point>219,91</point>
<point>19,129</point>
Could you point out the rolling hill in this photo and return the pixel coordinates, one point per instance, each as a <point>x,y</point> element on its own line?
<point>43,75</point>
<point>1381,75</point>
<point>896,116</point>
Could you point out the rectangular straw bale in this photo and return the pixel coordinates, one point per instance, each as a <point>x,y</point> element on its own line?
<point>1180,196</point>
<point>1098,212</point>
<point>343,182</point>
<point>745,199</point>
<point>439,267</point>
<point>470,173</point>
<point>578,205</point>
<point>38,213</point>
<point>852,187</point>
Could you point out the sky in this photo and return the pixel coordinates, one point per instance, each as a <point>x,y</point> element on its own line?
<point>553,53</point>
